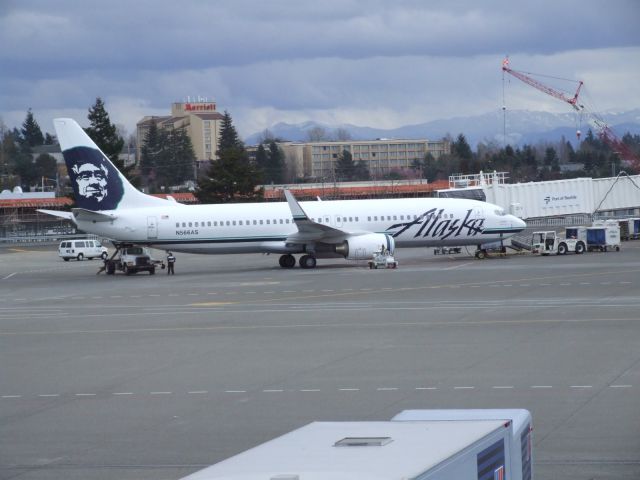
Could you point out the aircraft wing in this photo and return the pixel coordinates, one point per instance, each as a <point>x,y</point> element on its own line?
<point>308,230</point>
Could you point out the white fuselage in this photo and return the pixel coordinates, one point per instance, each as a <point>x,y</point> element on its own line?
<point>264,227</point>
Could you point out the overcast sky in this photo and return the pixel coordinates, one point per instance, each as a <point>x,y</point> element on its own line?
<point>370,63</point>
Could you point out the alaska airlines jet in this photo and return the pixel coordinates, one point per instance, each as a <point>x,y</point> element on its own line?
<point>109,206</point>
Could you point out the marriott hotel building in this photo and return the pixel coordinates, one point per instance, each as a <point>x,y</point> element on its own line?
<point>201,121</point>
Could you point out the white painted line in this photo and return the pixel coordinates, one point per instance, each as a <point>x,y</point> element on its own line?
<point>585,283</point>
<point>548,284</point>
<point>160,393</point>
<point>581,386</point>
<point>620,386</point>
<point>386,389</point>
<point>115,296</point>
<point>50,395</point>
<point>212,293</point>
<point>85,394</point>
<point>508,285</point>
<point>426,388</point>
<point>123,393</point>
<point>154,295</point>
<point>499,387</point>
<point>198,391</point>
<point>541,386</point>
<point>288,291</point>
<point>193,294</point>
<point>565,284</point>
<point>310,390</point>
<point>273,391</point>
<point>626,283</point>
<point>525,285</point>
<point>235,391</point>
<point>9,276</point>
<point>11,396</point>
<point>463,388</point>
<point>349,389</point>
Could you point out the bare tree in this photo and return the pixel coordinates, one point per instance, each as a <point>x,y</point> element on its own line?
<point>317,134</point>
<point>342,134</point>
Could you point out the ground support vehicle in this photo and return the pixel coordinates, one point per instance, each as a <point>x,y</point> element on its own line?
<point>383,260</point>
<point>549,243</point>
<point>417,444</point>
<point>131,260</point>
<point>81,249</point>
<point>629,228</point>
<point>603,238</point>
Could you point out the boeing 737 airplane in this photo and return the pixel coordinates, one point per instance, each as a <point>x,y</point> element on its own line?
<point>109,206</point>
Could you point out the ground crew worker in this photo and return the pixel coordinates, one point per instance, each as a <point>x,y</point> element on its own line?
<point>103,268</point>
<point>171,260</point>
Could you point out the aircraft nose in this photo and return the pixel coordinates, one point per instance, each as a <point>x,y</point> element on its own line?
<point>518,223</point>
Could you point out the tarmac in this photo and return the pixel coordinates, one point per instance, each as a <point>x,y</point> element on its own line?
<point>140,377</point>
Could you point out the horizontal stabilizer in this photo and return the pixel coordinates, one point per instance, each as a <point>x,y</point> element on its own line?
<point>58,213</point>
<point>84,215</point>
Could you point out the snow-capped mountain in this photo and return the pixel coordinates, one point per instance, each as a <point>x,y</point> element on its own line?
<point>520,126</point>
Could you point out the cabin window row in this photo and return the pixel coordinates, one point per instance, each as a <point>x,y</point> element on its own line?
<point>281,221</point>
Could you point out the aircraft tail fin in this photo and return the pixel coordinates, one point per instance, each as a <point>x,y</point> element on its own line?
<point>97,183</point>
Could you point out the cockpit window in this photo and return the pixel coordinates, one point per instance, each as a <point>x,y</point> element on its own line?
<point>500,212</point>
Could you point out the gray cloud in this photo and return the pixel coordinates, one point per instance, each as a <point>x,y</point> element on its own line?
<point>368,62</point>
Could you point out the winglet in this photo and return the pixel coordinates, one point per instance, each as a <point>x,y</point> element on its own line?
<point>296,210</point>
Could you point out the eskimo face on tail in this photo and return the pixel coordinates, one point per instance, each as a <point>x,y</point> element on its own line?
<point>95,181</point>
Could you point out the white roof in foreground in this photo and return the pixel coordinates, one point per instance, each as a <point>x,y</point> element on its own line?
<point>309,453</point>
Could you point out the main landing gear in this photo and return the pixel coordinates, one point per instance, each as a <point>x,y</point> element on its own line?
<point>289,261</point>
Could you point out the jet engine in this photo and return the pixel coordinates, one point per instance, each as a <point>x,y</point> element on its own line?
<point>359,247</point>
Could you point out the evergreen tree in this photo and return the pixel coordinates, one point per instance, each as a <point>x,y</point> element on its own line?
<point>50,139</point>
<point>149,153</point>
<point>361,171</point>
<point>275,165</point>
<point>31,133</point>
<point>105,135</point>
<point>232,177</point>
<point>228,134</point>
<point>262,158</point>
<point>345,167</point>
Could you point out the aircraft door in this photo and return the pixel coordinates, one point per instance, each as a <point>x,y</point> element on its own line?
<point>152,227</point>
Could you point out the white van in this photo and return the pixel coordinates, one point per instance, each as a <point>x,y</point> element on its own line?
<point>81,249</point>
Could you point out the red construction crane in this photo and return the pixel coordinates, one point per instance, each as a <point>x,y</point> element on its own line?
<point>544,88</point>
<point>604,131</point>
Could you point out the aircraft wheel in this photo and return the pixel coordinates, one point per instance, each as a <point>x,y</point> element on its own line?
<point>307,261</point>
<point>287,261</point>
